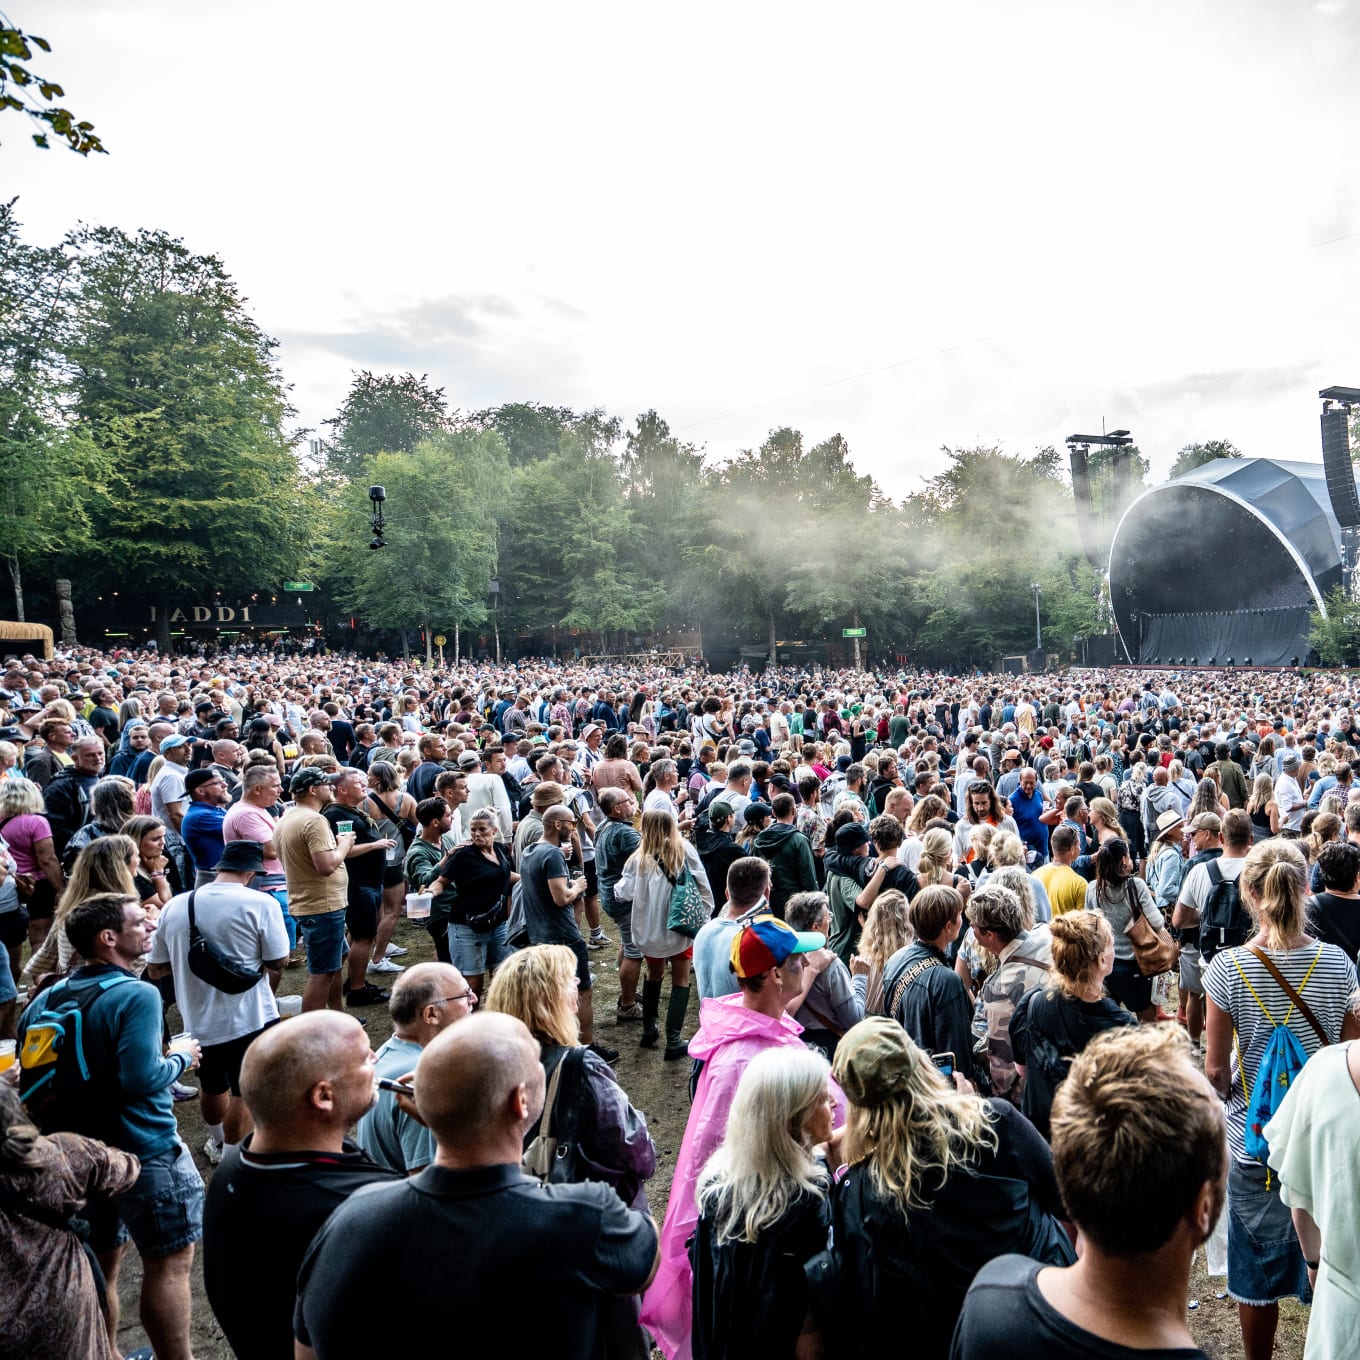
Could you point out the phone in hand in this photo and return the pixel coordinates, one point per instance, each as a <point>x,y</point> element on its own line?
<point>396,1087</point>
<point>945,1062</point>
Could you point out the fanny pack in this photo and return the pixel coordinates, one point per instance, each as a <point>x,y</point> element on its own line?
<point>209,964</point>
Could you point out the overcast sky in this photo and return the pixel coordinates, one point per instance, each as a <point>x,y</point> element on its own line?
<point>915,224</point>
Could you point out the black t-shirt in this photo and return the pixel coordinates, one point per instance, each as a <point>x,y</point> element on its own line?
<point>1004,1314</point>
<point>259,1219</point>
<point>480,883</point>
<point>365,871</point>
<point>508,1265</point>
<point>1336,920</point>
<point>104,721</point>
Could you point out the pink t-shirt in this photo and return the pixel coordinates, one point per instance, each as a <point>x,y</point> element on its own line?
<point>246,822</point>
<point>22,833</point>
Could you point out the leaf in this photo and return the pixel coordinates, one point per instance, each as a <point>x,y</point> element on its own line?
<point>19,75</point>
<point>41,42</point>
<point>51,91</point>
<point>41,139</point>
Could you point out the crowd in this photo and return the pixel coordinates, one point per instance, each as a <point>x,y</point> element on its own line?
<point>1009,990</point>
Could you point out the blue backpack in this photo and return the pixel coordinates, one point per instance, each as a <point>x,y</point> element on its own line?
<point>1282,1061</point>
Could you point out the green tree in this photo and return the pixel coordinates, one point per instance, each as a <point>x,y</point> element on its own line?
<point>1196,455</point>
<point>1335,636</point>
<point>533,432</point>
<point>177,385</point>
<point>23,90</point>
<point>383,413</point>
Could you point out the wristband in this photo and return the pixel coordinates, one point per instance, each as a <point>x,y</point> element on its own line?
<point>1312,1265</point>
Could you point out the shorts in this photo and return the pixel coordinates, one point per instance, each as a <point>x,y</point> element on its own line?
<point>324,936</point>
<point>578,947</point>
<point>661,963</point>
<point>475,951</point>
<point>219,1070</point>
<point>162,1212</point>
<point>43,904</point>
<point>14,926</point>
<point>1129,987</point>
<point>1265,1261</point>
<point>8,991</point>
<point>592,879</point>
<point>625,925</point>
<point>361,912</point>
<point>392,875</point>
<point>1192,973</point>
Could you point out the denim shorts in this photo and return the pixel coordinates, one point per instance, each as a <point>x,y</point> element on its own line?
<point>162,1212</point>
<point>475,951</point>
<point>1265,1261</point>
<point>325,938</point>
<point>624,921</point>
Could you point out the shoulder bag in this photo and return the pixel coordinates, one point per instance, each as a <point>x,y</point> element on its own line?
<point>1154,951</point>
<point>550,1156</point>
<point>687,910</point>
<point>209,964</point>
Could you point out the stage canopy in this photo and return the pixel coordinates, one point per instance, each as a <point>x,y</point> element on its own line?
<point>1225,562</point>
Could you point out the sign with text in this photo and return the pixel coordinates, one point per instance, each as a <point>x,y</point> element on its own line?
<point>133,615</point>
<point>854,632</point>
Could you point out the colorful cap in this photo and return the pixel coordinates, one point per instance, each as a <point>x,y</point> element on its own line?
<point>764,942</point>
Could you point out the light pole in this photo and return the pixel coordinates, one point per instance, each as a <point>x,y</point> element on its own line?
<point>1038,633</point>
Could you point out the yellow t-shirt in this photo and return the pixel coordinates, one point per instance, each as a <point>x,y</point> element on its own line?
<point>1065,887</point>
<point>299,832</point>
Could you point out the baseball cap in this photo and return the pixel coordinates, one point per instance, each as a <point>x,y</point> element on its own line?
<point>1208,821</point>
<point>764,942</point>
<point>195,779</point>
<point>875,1060</point>
<point>468,759</point>
<point>171,742</point>
<point>308,778</point>
<point>850,837</point>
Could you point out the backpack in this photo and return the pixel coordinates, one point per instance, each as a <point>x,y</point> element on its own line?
<point>1223,922</point>
<point>66,1086</point>
<point>1282,1061</point>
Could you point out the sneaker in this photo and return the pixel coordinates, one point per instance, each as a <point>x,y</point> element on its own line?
<point>385,966</point>
<point>182,1092</point>
<point>213,1150</point>
<point>600,1051</point>
<point>367,995</point>
<point>395,951</point>
<point>623,1014</point>
<point>597,942</point>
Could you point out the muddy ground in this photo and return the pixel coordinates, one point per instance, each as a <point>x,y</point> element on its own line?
<point>659,1090</point>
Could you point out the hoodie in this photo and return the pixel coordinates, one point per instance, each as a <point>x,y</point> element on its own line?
<point>718,851</point>
<point>792,870</point>
<point>729,1037</point>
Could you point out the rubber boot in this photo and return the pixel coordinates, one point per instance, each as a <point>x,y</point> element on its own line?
<point>651,1004</point>
<point>676,1007</point>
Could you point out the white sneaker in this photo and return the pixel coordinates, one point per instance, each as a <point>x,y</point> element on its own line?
<point>395,951</point>
<point>212,1150</point>
<point>385,966</point>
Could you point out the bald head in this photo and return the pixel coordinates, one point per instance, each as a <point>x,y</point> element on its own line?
<point>469,1078</point>
<point>284,1067</point>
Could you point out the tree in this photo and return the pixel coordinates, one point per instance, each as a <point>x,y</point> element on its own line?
<point>533,432</point>
<point>1196,455</point>
<point>383,413</point>
<point>1335,636</point>
<point>177,385</point>
<point>19,85</point>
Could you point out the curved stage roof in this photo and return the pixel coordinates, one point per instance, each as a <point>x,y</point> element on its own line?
<point>1225,563</point>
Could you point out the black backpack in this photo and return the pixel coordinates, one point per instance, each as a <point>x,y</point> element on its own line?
<point>1224,922</point>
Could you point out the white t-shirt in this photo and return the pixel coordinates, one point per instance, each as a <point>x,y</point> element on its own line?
<point>245,925</point>
<point>168,787</point>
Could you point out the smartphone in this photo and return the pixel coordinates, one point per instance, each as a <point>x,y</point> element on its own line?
<point>399,1088</point>
<point>945,1062</point>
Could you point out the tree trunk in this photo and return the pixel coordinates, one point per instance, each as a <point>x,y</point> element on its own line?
<point>429,644</point>
<point>457,634</point>
<point>405,645</point>
<point>774,657</point>
<point>67,613</point>
<point>164,642</point>
<point>858,662</point>
<point>18,588</point>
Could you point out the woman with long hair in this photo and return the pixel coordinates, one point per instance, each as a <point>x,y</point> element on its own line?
<point>615,770</point>
<point>1105,821</point>
<point>940,1182</point>
<point>28,835</point>
<point>1052,1024</point>
<point>936,861</point>
<point>1245,1005</point>
<point>1115,893</point>
<point>886,930</point>
<point>649,877</point>
<point>1262,808</point>
<point>52,1300</point>
<point>763,1210</point>
<point>156,877</point>
<point>394,811</point>
<point>1128,804</point>
<point>1165,867</point>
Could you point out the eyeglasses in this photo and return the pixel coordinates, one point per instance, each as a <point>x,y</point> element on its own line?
<point>460,996</point>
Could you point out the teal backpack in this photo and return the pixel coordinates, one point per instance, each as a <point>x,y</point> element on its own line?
<point>1283,1059</point>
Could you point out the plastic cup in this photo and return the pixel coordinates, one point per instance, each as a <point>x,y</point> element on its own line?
<point>418,905</point>
<point>343,828</point>
<point>7,1052</point>
<point>179,1043</point>
<point>290,1005</point>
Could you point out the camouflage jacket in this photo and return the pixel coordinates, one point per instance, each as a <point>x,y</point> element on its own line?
<point>1023,966</point>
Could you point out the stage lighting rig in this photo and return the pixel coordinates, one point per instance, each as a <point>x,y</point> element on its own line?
<point>377,495</point>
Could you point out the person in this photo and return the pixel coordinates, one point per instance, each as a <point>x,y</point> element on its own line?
<point>127,1103</point>
<point>1139,1159</point>
<point>111,804</point>
<point>251,818</point>
<point>1165,866</point>
<point>304,1084</point>
<point>1289,797</point>
<point>848,869</point>
<point>244,926</point>
<point>717,846</point>
<point>747,891</point>
<point>478,1087</point>
<point>52,1308</point>
<point>921,991</point>
<point>792,868</point>
<point>434,816</point>
<point>201,828</point>
<point>886,930</point>
<point>940,1182</point>
<point>647,881</point>
<point>1065,887</point>
<point>832,1004</point>
<point>1056,1019</point>
<point>1334,913</point>
<point>313,859</point>
<point>486,789</point>
<point>67,798</point>
<point>548,893</point>
<point>767,957</point>
<point>616,842</point>
<point>763,1210</point>
<point>889,871</point>
<point>28,835</point>
<point>609,1137</point>
<point>1262,808</point>
<point>1245,1004</point>
<point>425,1001</point>
<point>394,812</point>
<point>1313,1152</point>
<point>1111,894</point>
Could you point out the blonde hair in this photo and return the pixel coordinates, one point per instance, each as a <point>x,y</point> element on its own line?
<point>662,847</point>
<point>532,985</point>
<point>1262,793</point>
<point>937,855</point>
<point>20,796</point>
<point>1326,827</point>
<point>1105,812</point>
<point>765,1161</point>
<point>886,929</point>
<point>1006,848</point>
<point>1079,938</point>
<point>101,866</point>
<point>1275,886</point>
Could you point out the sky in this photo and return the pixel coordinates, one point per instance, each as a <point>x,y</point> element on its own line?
<point>915,225</point>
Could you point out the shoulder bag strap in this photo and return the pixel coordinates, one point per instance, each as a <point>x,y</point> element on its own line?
<point>550,1099</point>
<point>1294,997</point>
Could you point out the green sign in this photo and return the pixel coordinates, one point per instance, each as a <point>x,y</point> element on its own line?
<point>853,632</point>
<point>298,585</point>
